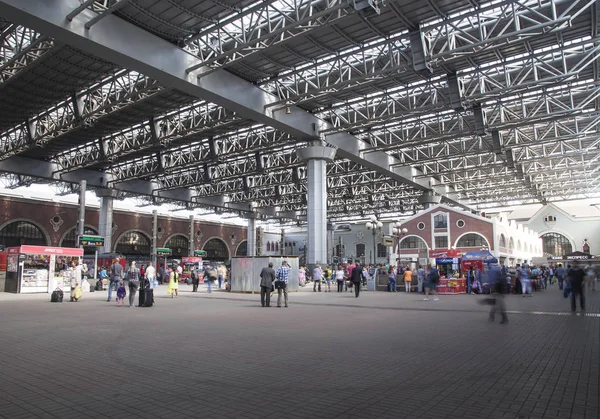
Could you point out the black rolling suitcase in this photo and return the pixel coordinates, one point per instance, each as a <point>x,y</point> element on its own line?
<point>146,298</point>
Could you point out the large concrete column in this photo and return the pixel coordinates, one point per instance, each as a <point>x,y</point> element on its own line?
<point>105,221</point>
<point>192,236</point>
<point>316,157</point>
<point>251,240</point>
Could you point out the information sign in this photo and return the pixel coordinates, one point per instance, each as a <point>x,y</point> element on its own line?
<point>200,253</point>
<point>164,251</point>
<point>91,241</point>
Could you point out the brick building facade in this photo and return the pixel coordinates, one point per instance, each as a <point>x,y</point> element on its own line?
<point>57,223</point>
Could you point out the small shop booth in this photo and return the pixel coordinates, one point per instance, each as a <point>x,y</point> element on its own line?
<point>189,264</point>
<point>31,269</point>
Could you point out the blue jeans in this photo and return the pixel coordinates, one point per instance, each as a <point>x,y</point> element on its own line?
<point>111,285</point>
<point>209,286</point>
<point>220,280</point>
<point>392,285</point>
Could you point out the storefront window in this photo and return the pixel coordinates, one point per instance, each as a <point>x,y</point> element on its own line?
<point>179,245</point>
<point>216,250</point>
<point>471,240</point>
<point>70,239</point>
<point>441,242</point>
<point>134,243</point>
<point>440,221</point>
<point>556,244</point>
<point>20,233</point>
<point>413,242</point>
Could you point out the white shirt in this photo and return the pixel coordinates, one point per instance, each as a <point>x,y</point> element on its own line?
<point>179,270</point>
<point>150,272</point>
<point>339,275</point>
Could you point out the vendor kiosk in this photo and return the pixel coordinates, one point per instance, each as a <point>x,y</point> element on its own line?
<point>191,263</point>
<point>448,267</point>
<point>31,269</point>
<point>479,260</point>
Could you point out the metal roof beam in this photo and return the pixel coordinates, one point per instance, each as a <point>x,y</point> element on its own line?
<point>165,62</point>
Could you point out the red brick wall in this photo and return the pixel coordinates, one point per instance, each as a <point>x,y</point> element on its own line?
<point>472,225</point>
<point>41,213</point>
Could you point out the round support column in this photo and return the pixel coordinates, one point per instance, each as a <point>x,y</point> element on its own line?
<point>316,158</point>
<point>105,221</point>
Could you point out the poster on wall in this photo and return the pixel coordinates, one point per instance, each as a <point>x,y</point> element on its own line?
<point>12,263</point>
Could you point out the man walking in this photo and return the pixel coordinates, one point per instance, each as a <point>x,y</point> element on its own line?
<point>267,276</point>
<point>576,276</point>
<point>526,281</point>
<point>420,278</point>
<point>560,276</point>
<point>432,278</point>
<point>317,278</point>
<point>195,274</point>
<point>116,275</point>
<point>283,274</point>
<point>356,279</point>
<point>498,287</point>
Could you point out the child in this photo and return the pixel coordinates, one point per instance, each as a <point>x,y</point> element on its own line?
<point>121,293</point>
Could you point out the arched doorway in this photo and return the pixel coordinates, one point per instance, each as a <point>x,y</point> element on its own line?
<point>179,245</point>
<point>70,239</point>
<point>242,249</point>
<point>18,233</point>
<point>216,250</point>
<point>555,244</point>
<point>134,243</point>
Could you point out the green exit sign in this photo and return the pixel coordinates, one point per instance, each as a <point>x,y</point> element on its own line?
<point>201,253</point>
<point>164,251</point>
<point>91,241</point>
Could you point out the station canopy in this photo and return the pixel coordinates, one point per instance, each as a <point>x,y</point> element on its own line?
<point>203,103</point>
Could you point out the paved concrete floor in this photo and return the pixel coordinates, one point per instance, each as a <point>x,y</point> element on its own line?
<point>326,356</point>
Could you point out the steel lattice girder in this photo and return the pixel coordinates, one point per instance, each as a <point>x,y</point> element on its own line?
<point>166,63</point>
<point>20,47</point>
<point>81,110</point>
<point>272,24</point>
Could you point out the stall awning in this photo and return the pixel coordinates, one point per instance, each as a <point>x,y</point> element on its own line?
<point>46,250</point>
<point>483,255</point>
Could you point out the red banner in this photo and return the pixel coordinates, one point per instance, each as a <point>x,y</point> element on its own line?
<point>46,250</point>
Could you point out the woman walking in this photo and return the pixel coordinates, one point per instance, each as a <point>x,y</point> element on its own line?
<point>407,279</point>
<point>339,277</point>
<point>392,279</point>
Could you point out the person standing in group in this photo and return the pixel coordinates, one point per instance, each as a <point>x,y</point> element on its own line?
<point>317,278</point>
<point>133,282</point>
<point>498,286</point>
<point>357,275</point>
<point>576,277</point>
<point>431,280</point>
<point>407,279</point>
<point>221,274</point>
<point>116,276</point>
<point>302,276</point>
<point>267,276</point>
<point>339,278</point>
<point>150,274</point>
<point>525,281</point>
<point>173,283</point>
<point>283,274</point>
<point>420,278</point>
<point>392,279</point>
<point>560,276</point>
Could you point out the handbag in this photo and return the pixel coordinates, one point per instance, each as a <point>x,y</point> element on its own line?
<point>280,285</point>
<point>77,292</point>
<point>57,296</point>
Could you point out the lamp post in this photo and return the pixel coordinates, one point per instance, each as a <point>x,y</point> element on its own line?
<point>398,232</point>
<point>374,224</point>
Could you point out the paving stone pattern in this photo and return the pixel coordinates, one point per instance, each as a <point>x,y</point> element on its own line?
<point>221,355</point>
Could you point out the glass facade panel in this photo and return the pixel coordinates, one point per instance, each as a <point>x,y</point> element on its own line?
<point>471,240</point>
<point>21,232</point>
<point>216,250</point>
<point>441,242</point>
<point>556,244</point>
<point>134,243</point>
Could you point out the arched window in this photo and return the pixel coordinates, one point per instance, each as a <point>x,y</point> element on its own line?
<point>179,245</point>
<point>70,239</point>
<point>242,249</point>
<point>518,245</point>
<point>382,250</point>
<point>360,250</point>
<point>277,246</point>
<point>134,243</point>
<point>555,244</point>
<point>502,240</point>
<point>471,240</point>
<point>511,243</point>
<point>413,242</point>
<point>22,232</point>
<point>440,221</point>
<point>216,250</point>
<point>268,246</point>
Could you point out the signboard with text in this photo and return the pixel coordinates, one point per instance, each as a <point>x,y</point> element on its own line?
<point>200,253</point>
<point>164,251</point>
<point>91,241</point>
